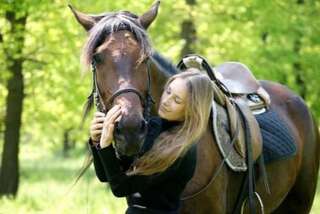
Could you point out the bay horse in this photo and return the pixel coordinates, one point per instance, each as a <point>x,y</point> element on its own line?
<point>127,71</point>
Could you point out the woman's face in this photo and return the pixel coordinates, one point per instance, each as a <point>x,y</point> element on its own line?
<point>173,101</point>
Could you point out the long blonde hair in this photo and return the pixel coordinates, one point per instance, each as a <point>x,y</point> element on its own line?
<point>174,143</point>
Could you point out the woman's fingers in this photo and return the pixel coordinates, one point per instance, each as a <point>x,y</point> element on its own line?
<point>98,120</point>
<point>115,116</point>
<point>99,114</point>
<point>103,125</point>
<point>108,125</point>
<point>112,111</point>
<point>118,118</point>
<point>107,135</point>
<point>96,132</point>
<point>95,135</point>
<point>96,126</point>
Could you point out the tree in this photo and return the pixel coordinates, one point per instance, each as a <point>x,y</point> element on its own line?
<point>9,173</point>
<point>189,31</point>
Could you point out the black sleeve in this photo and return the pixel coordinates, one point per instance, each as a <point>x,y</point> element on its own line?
<point>123,185</point>
<point>98,167</point>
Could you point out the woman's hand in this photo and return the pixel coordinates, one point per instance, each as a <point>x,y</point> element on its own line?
<point>96,127</point>
<point>113,115</point>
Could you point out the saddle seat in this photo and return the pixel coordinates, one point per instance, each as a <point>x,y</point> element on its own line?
<point>237,78</point>
<point>236,84</point>
<point>241,83</point>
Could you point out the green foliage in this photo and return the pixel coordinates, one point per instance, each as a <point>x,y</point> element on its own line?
<point>260,34</point>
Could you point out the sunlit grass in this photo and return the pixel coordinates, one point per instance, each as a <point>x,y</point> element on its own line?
<point>46,178</point>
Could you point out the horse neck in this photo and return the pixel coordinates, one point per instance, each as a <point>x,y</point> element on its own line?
<point>158,80</point>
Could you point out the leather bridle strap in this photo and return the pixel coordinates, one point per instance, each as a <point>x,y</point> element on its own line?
<point>96,92</point>
<point>124,91</point>
<point>146,102</point>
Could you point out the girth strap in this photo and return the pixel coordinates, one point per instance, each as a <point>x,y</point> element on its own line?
<point>247,191</point>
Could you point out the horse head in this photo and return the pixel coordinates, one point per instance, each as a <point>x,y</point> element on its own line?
<point>118,49</point>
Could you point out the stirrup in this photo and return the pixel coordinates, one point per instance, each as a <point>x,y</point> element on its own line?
<point>259,200</point>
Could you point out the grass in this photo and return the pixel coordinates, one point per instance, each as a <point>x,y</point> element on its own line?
<point>45,184</point>
<point>45,181</point>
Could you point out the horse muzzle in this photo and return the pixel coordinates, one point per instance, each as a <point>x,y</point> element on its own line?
<point>129,137</point>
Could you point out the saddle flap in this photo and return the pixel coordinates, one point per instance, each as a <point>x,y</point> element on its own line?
<point>254,129</point>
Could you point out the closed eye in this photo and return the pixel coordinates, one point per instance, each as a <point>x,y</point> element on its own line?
<point>178,101</point>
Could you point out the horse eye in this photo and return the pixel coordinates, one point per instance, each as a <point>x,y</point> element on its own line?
<point>97,58</point>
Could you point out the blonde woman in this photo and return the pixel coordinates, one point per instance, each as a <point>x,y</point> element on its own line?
<point>154,181</point>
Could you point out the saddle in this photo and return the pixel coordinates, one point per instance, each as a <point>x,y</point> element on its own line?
<point>238,97</point>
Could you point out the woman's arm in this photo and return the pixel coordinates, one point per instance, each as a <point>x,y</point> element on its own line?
<point>123,185</point>
<point>98,167</point>
<point>101,130</point>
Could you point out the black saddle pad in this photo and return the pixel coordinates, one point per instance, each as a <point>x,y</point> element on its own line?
<point>278,141</point>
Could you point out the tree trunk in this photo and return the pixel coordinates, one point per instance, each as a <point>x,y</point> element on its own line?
<point>297,68</point>
<point>9,173</point>
<point>68,144</point>
<point>188,33</point>
<point>299,79</point>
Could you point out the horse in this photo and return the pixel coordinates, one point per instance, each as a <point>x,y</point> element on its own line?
<point>127,71</point>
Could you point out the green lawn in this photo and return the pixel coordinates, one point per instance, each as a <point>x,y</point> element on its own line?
<point>45,184</point>
<point>46,180</point>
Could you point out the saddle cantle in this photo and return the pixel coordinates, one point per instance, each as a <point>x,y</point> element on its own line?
<point>236,84</point>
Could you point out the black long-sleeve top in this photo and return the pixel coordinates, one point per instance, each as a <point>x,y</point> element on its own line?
<point>158,193</point>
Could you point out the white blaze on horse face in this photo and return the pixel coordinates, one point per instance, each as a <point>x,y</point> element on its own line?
<point>116,54</point>
<point>173,101</point>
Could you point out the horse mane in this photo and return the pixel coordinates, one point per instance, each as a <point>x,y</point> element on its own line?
<point>113,22</point>
<point>164,65</point>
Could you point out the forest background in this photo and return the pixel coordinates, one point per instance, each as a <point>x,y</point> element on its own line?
<point>42,90</point>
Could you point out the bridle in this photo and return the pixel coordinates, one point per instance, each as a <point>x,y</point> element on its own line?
<point>146,100</point>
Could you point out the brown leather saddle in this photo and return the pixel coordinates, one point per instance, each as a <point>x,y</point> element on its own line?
<point>234,83</point>
<point>239,80</point>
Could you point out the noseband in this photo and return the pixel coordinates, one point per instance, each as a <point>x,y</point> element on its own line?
<point>145,100</point>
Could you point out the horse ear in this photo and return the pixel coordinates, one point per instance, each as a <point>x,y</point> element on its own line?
<point>147,18</point>
<point>85,20</point>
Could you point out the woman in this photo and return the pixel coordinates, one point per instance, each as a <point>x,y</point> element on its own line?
<point>154,181</point>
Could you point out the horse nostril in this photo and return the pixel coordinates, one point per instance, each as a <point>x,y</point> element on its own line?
<point>143,126</point>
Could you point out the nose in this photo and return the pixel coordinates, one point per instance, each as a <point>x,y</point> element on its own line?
<point>166,101</point>
<point>129,135</point>
<point>120,127</point>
